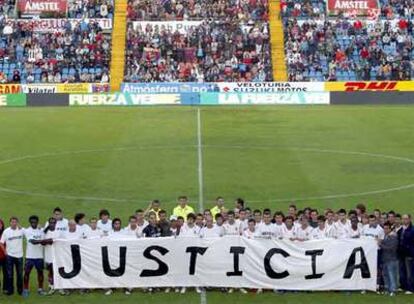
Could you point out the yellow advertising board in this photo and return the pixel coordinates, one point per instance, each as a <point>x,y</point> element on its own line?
<point>379,86</point>
<point>73,88</point>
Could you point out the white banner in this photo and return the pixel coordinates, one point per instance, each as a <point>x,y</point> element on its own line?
<point>54,25</point>
<point>121,99</point>
<point>293,98</point>
<point>181,26</point>
<point>270,87</point>
<point>39,88</point>
<point>220,262</point>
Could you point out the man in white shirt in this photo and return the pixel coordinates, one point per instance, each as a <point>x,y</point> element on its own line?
<point>373,230</point>
<point>250,232</point>
<point>355,231</point>
<point>289,231</point>
<point>279,224</point>
<point>61,222</point>
<point>81,226</point>
<point>242,221</point>
<point>304,231</point>
<point>51,234</point>
<point>266,229</point>
<point>116,232</point>
<point>210,230</point>
<point>105,223</point>
<point>34,255</point>
<point>342,226</point>
<point>73,233</point>
<point>190,229</point>
<point>321,232</point>
<point>94,232</point>
<point>12,239</point>
<point>141,222</point>
<point>231,227</point>
<point>131,230</point>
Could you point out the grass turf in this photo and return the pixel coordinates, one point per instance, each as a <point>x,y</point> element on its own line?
<point>86,159</point>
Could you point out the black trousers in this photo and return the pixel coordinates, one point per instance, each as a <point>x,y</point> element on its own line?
<point>12,264</point>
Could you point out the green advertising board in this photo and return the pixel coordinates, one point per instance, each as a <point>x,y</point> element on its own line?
<point>13,100</point>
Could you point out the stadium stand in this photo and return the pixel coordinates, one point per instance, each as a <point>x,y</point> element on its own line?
<point>233,47</point>
<point>56,50</point>
<point>319,48</point>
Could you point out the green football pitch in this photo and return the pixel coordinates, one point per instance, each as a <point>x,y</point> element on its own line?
<point>86,159</point>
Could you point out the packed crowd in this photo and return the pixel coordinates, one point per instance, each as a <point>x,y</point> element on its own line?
<point>223,10</point>
<point>75,53</point>
<point>7,8</point>
<point>79,9</point>
<point>394,233</point>
<point>210,52</point>
<point>349,50</point>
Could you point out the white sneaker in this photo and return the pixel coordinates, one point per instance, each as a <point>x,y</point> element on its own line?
<point>127,292</point>
<point>259,291</point>
<point>167,290</point>
<point>177,290</point>
<point>108,292</point>
<point>198,290</point>
<point>408,292</point>
<point>363,292</point>
<point>230,290</point>
<point>51,291</point>
<point>392,294</point>
<point>183,290</point>
<point>243,291</point>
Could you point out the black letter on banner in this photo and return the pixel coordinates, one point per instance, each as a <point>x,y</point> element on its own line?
<point>351,266</point>
<point>236,252</point>
<point>107,267</point>
<point>162,269</point>
<point>314,253</point>
<point>76,260</point>
<point>269,271</point>
<point>193,258</point>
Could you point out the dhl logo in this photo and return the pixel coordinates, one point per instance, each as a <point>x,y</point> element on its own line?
<point>388,86</point>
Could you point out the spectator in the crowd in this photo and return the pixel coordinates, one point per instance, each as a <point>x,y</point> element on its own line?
<point>183,209</point>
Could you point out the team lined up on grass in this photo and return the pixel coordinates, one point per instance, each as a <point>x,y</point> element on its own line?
<point>395,235</point>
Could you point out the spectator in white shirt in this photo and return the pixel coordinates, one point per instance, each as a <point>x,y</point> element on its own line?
<point>34,255</point>
<point>242,221</point>
<point>321,232</point>
<point>61,222</point>
<point>190,229</point>
<point>132,229</point>
<point>289,231</point>
<point>257,215</point>
<point>342,226</point>
<point>279,224</point>
<point>373,230</point>
<point>355,231</point>
<point>73,232</point>
<point>12,239</point>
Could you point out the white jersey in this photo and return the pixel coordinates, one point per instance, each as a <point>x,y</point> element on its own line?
<point>318,234</point>
<point>116,235</point>
<point>215,231</point>
<point>304,233</point>
<point>54,235</point>
<point>34,251</point>
<point>94,234</point>
<point>84,230</point>
<point>106,227</point>
<point>249,234</point>
<point>75,235</point>
<point>355,233</point>
<point>13,239</point>
<point>243,224</point>
<point>140,229</point>
<point>373,232</point>
<point>130,233</point>
<point>188,231</point>
<point>289,233</point>
<point>266,231</point>
<point>279,228</point>
<point>231,229</point>
<point>62,226</point>
<point>342,230</point>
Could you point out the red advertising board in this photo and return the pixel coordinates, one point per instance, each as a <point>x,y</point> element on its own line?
<point>353,7</point>
<point>42,8</point>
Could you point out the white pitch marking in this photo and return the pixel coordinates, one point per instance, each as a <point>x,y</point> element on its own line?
<point>200,147</point>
